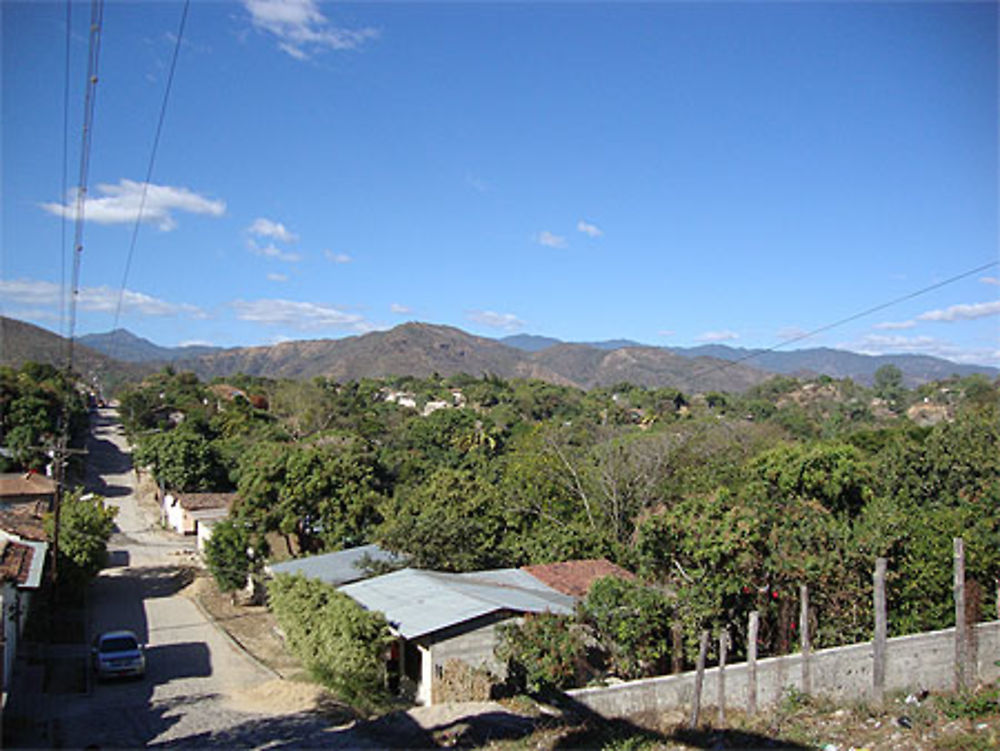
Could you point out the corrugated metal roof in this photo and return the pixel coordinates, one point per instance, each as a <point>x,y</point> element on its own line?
<point>418,602</point>
<point>337,568</point>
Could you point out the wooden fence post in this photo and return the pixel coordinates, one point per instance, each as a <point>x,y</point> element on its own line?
<point>880,645</point>
<point>805,640</point>
<point>699,678</point>
<point>723,652</point>
<point>752,663</point>
<point>961,626</point>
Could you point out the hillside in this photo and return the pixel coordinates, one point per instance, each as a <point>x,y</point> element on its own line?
<point>122,344</point>
<point>422,349</point>
<point>21,342</point>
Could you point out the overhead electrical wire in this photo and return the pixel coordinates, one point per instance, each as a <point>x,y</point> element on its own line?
<point>65,166</point>
<point>847,319</point>
<point>149,168</point>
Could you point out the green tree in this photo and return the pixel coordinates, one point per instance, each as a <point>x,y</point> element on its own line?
<point>632,622</point>
<point>85,526</point>
<point>889,386</point>
<point>340,643</point>
<point>226,553</point>
<point>183,460</point>
<point>542,653</point>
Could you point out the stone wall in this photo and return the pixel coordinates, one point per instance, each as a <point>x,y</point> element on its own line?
<point>840,673</point>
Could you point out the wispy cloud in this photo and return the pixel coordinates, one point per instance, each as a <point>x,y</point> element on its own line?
<point>301,28</point>
<point>989,280</point>
<point>666,332</point>
<point>591,230</point>
<point>262,227</point>
<point>277,277</point>
<point>273,251</point>
<point>894,325</point>
<point>401,310</point>
<point>550,240</point>
<point>717,336</point>
<point>120,204</point>
<point>303,316</point>
<point>962,312</point>
<point>881,344</point>
<point>337,257</point>
<point>503,321</point>
<point>94,299</point>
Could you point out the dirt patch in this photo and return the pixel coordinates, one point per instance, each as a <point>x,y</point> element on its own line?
<point>252,626</point>
<point>280,697</point>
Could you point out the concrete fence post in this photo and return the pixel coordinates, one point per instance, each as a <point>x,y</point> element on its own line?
<point>879,647</point>
<point>961,626</point>
<point>699,679</point>
<point>723,653</point>
<point>752,662</point>
<point>804,637</point>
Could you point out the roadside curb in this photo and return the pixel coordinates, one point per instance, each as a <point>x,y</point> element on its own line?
<point>233,641</point>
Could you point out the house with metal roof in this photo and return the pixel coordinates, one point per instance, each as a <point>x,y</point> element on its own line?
<point>22,564</point>
<point>442,616</point>
<point>337,568</point>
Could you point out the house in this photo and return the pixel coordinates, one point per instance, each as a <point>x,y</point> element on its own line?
<point>575,577</point>
<point>439,617</point>
<point>182,512</point>
<point>338,568</point>
<point>27,487</point>
<point>22,564</point>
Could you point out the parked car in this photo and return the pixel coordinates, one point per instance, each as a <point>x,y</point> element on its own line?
<point>118,654</point>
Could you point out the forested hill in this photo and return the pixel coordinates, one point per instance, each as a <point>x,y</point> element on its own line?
<point>420,349</point>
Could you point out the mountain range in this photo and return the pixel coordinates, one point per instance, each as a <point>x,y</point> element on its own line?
<point>422,349</point>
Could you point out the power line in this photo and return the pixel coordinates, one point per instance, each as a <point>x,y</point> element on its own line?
<point>149,168</point>
<point>847,319</point>
<point>65,166</point>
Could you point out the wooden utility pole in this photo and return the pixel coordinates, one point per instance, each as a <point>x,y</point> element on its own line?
<point>804,637</point>
<point>880,645</point>
<point>961,625</point>
<point>752,663</point>
<point>699,679</point>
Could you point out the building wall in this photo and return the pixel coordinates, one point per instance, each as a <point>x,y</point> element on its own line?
<point>920,661</point>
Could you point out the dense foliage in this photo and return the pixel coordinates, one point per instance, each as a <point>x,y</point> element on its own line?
<point>35,400</point>
<point>724,503</point>
<point>85,526</point>
<point>341,644</point>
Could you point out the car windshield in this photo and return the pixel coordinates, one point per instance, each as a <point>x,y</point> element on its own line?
<point>119,644</point>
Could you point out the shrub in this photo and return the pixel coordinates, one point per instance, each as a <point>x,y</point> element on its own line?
<point>340,643</point>
<point>542,653</point>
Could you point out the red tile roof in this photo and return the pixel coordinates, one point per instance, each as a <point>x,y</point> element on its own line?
<point>15,561</point>
<point>23,520</point>
<point>575,577</point>
<point>25,483</point>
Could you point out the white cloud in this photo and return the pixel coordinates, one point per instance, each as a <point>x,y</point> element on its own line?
<point>196,343</point>
<point>791,332</point>
<point>273,251</point>
<point>121,203</point>
<point>666,332</point>
<point>262,227</point>
<point>304,316</point>
<point>962,312</point>
<point>504,321</point>
<point>301,28</point>
<point>881,344</point>
<point>894,325</point>
<point>989,280</point>
<point>277,277</point>
<point>337,257</point>
<point>591,230</point>
<point>94,299</point>
<point>550,240</point>
<point>717,336</point>
<point>400,309</point>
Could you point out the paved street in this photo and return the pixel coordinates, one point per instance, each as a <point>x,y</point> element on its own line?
<point>192,666</point>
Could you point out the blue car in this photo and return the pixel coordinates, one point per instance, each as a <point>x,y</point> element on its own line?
<point>118,654</point>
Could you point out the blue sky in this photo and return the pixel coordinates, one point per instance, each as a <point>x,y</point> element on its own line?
<point>672,173</point>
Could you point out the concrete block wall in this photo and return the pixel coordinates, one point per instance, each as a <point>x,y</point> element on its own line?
<point>841,673</point>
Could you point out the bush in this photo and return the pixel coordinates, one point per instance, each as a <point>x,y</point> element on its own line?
<point>542,653</point>
<point>86,524</point>
<point>341,644</point>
